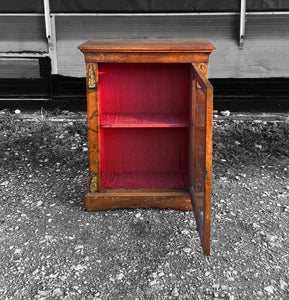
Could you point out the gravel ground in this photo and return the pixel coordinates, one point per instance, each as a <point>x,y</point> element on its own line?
<point>52,249</point>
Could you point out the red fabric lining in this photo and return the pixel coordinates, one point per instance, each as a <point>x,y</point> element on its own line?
<point>156,95</point>
<point>144,88</point>
<point>141,150</point>
<point>149,180</point>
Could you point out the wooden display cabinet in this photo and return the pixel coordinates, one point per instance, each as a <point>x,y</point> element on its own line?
<point>149,112</point>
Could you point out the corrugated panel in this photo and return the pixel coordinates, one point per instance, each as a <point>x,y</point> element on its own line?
<point>264,55</point>
<point>267,5</point>
<point>25,78</point>
<point>72,31</point>
<point>144,6</point>
<point>20,34</point>
<point>19,68</point>
<point>20,6</point>
<point>140,5</point>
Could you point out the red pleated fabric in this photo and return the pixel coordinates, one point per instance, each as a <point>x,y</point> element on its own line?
<point>153,100</point>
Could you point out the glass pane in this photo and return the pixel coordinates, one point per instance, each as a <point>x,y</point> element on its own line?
<point>199,148</point>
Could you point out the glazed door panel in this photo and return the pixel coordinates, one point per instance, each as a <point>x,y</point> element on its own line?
<point>200,159</point>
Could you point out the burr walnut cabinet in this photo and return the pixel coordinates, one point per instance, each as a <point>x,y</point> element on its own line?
<point>149,113</point>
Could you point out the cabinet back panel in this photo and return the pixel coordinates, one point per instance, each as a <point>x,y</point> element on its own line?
<point>144,88</point>
<point>160,153</point>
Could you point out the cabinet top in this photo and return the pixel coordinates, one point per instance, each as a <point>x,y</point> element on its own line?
<point>146,46</point>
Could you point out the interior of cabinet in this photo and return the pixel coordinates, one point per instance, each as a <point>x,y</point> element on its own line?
<point>144,120</point>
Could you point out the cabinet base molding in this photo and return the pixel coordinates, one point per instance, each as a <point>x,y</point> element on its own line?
<point>108,199</point>
<point>117,198</point>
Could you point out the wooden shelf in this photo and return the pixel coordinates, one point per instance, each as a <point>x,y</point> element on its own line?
<point>142,120</point>
<point>130,198</point>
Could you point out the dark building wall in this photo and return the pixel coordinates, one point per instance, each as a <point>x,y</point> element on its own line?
<point>73,6</point>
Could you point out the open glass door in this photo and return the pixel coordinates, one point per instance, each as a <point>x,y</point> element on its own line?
<point>200,162</point>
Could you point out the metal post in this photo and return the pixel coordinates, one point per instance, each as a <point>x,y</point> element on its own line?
<point>47,18</point>
<point>52,47</point>
<point>242,23</point>
<point>51,36</point>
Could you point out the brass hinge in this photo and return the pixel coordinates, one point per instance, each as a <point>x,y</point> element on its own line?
<point>91,77</point>
<point>202,68</point>
<point>93,187</point>
<point>206,173</point>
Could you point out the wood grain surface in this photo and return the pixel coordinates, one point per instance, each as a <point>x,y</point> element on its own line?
<point>146,46</point>
<point>142,145</point>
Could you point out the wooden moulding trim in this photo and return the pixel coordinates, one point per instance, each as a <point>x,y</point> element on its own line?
<point>148,57</point>
<point>113,199</point>
<point>93,126</point>
<point>147,46</point>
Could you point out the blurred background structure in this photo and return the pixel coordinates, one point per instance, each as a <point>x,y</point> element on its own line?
<point>40,62</point>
